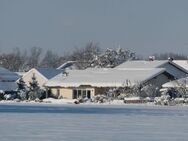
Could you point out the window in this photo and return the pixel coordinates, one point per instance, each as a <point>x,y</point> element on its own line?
<point>75,94</point>
<point>81,94</point>
<point>84,94</point>
<point>88,94</point>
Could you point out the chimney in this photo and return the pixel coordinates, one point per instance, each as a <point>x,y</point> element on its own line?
<point>151,58</point>
<point>170,59</point>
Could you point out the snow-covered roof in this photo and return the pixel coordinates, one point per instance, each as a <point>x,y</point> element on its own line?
<point>171,67</point>
<point>103,77</point>
<point>20,73</point>
<point>49,72</point>
<point>176,83</point>
<point>182,63</point>
<point>142,64</point>
<point>6,75</point>
<point>68,65</point>
<point>8,86</point>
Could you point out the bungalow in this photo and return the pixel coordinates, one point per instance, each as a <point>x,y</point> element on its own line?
<point>42,75</point>
<point>7,80</point>
<point>90,82</point>
<point>170,66</point>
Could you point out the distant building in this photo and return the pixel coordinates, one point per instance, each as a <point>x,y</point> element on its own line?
<point>8,80</point>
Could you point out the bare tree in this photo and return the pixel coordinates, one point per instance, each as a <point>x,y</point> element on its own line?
<point>50,60</point>
<point>85,56</point>
<point>34,57</point>
<point>165,56</point>
<point>14,61</point>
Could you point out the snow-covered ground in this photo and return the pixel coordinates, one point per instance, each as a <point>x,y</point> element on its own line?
<point>64,101</point>
<point>57,122</point>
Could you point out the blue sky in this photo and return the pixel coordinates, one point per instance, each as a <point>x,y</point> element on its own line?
<point>143,26</point>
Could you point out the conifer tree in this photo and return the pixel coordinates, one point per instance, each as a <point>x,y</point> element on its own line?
<point>22,91</point>
<point>35,91</point>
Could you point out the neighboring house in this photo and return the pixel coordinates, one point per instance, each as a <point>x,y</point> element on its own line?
<point>42,75</point>
<point>8,80</point>
<point>87,83</point>
<point>170,66</point>
<point>69,65</point>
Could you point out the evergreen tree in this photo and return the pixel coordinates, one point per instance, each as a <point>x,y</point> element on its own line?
<point>35,91</point>
<point>34,84</point>
<point>22,91</point>
<point>21,84</point>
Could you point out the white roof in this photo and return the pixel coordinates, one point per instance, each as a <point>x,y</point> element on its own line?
<point>177,83</point>
<point>103,77</point>
<point>142,64</point>
<point>182,63</point>
<point>20,73</point>
<point>68,65</point>
<point>171,67</point>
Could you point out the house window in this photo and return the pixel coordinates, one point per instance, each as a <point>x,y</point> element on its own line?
<point>75,94</point>
<point>88,94</point>
<point>81,94</point>
<point>84,94</point>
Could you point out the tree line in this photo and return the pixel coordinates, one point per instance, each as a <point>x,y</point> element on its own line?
<point>91,55</point>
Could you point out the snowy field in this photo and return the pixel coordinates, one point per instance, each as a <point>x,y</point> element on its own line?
<point>48,122</point>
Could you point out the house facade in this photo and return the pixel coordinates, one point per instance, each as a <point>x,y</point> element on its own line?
<point>91,82</point>
<point>42,75</point>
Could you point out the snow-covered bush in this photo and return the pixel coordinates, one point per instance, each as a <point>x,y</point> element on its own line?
<point>10,96</point>
<point>164,99</point>
<point>22,94</point>
<point>100,99</point>
<point>179,100</point>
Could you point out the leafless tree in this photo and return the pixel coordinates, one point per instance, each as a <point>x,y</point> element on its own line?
<point>50,60</point>
<point>34,57</point>
<point>165,56</point>
<point>14,61</point>
<point>85,56</point>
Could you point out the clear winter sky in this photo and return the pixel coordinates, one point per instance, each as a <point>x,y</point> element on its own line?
<point>143,26</point>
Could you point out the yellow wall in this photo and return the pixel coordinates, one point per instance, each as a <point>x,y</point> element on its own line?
<point>67,93</point>
<point>28,77</point>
